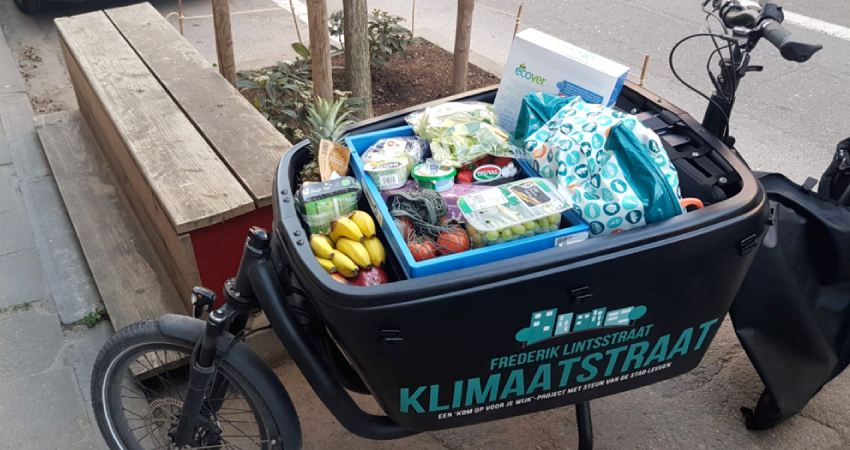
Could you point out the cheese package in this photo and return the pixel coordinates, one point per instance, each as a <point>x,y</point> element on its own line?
<point>541,63</point>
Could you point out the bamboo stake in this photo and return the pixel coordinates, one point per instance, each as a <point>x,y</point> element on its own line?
<point>295,19</point>
<point>180,15</point>
<point>463,33</point>
<point>413,19</point>
<point>643,72</point>
<point>518,18</point>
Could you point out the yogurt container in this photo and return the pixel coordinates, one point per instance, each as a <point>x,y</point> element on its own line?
<point>434,176</point>
<point>388,174</point>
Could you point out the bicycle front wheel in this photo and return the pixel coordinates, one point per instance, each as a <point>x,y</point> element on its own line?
<point>138,386</point>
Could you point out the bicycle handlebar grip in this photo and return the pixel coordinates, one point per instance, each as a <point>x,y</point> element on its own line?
<point>790,49</point>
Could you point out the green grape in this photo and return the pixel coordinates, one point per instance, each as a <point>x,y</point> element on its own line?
<point>518,229</point>
<point>530,226</point>
<point>477,240</point>
<point>554,219</point>
<point>507,233</point>
<point>492,235</point>
<point>543,223</point>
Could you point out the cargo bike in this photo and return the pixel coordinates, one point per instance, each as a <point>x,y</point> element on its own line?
<point>468,346</point>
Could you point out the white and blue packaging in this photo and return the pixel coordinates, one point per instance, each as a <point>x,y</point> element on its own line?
<point>542,63</point>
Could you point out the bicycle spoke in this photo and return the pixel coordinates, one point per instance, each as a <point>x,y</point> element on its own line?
<point>240,430</point>
<point>230,444</point>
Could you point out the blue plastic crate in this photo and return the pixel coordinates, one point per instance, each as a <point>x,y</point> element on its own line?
<point>573,228</point>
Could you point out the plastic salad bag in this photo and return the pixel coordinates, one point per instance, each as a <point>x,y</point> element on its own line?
<point>413,147</point>
<point>461,132</point>
<point>614,169</point>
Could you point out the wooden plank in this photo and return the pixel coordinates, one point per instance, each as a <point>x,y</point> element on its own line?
<point>189,181</point>
<point>245,141</point>
<point>132,281</point>
<point>175,251</point>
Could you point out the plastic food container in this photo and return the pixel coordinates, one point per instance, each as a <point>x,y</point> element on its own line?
<point>512,211</point>
<point>434,176</point>
<point>321,203</point>
<point>414,148</point>
<point>512,204</point>
<point>388,174</point>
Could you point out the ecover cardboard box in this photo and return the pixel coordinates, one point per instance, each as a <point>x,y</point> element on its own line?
<point>541,63</point>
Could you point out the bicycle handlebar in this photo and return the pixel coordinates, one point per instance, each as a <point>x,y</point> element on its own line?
<point>790,49</point>
<point>765,19</point>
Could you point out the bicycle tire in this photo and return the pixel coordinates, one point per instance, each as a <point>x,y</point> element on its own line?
<point>144,336</point>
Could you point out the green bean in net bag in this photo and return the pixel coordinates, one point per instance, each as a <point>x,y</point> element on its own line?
<point>613,168</point>
<point>461,132</point>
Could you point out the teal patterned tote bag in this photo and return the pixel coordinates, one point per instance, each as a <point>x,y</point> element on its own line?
<point>612,167</point>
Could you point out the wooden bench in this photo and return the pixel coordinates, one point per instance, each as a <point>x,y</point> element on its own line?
<point>164,167</point>
<point>195,159</point>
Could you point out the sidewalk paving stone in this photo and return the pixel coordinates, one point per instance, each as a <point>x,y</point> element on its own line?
<point>17,232</point>
<point>32,341</point>
<point>63,261</point>
<point>10,80</point>
<point>21,278</point>
<point>5,154</point>
<point>16,118</point>
<point>11,198</point>
<point>37,412</point>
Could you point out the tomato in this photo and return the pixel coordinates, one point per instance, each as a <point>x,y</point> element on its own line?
<point>464,176</point>
<point>484,160</point>
<point>502,161</point>
<point>422,250</point>
<point>453,241</point>
<point>405,227</point>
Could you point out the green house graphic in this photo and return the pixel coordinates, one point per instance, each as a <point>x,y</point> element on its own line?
<point>547,323</point>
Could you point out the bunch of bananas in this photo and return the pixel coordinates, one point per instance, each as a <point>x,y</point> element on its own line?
<point>352,245</point>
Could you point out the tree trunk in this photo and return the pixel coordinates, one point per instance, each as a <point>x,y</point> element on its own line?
<point>224,40</point>
<point>320,48</point>
<point>462,37</point>
<point>357,56</point>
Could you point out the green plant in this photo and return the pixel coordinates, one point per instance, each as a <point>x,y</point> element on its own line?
<point>95,317</point>
<point>17,308</point>
<point>284,93</point>
<point>386,37</point>
<point>326,120</point>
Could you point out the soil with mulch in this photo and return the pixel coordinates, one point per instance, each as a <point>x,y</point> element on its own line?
<point>425,75</point>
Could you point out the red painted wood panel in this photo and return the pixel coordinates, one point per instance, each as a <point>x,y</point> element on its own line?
<point>218,248</point>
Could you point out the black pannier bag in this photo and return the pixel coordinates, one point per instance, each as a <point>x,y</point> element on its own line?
<point>792,314</point>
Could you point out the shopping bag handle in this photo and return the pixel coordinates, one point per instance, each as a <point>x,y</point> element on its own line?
<point>691,201</point>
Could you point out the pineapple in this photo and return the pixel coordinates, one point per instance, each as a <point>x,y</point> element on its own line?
<point>325,122</point>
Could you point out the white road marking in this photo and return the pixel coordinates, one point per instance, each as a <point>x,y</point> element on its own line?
<point>300,8</point>
<point>827,28</point>
<point>800,20</point>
